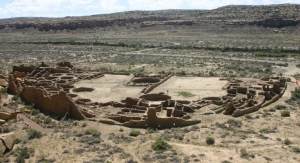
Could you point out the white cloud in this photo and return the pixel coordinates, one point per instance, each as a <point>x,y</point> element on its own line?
<point>155,4</point>
<point>111,5</point>
<point>40,7</point>
<point>17,8</point>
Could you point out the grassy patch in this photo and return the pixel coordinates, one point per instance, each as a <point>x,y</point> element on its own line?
<point>185,94</point>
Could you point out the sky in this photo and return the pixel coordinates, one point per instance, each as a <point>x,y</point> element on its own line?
<point>62,8</point>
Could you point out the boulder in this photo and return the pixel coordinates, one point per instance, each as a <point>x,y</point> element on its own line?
<point>8,141</point>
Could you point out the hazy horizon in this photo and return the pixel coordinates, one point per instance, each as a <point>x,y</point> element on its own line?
<point>63,8</point>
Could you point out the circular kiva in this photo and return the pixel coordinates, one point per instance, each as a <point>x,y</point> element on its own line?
<point>83,89</point>
<point>155,97</point>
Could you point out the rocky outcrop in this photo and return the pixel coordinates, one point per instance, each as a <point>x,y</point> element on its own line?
<point>8,116</point>
<point>7,142</point>
<point>275,22</point>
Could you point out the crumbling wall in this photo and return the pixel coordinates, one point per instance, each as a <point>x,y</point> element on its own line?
<point>65,64</point>
<point>58,104</point>
<point>150,87</point>
<point>22,68</point>
<point>153,121</point>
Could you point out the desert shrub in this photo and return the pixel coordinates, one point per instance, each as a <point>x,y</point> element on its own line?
<point>150,130</point>
<point>72,42</point>
<point>264,130</point>
<point>280,107</point>
<point>160,145</point>
<point>92,132</point>
<point>17,99</point>
<point>121,129</point>
<point>296,149</point>
<point>248,116</point>
<point>210,141</point>
<point>134,133</point>
<point>225,161</point>
<point>287,142</point>
<point>79,151</point>
<point>298,65</point>
<point>32,134</point>
<point>285,113</point>
<point>235,123</point>
<point>22,154</point>
<point>245,154</point>
<point>84,125</point>
<point>6,129</point>
<point>289,80</point>
<point>35,112</point>
<point>195,128</point>
<point>295,94</point>
<point>47,120</point>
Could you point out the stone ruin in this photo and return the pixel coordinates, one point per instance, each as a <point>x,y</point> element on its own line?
<point>242,98</point>
<point>49,88</point>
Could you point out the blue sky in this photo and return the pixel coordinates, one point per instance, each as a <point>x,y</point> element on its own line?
<point>61,8</point>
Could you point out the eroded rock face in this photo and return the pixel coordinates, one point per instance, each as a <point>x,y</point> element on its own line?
<point>7,142</point>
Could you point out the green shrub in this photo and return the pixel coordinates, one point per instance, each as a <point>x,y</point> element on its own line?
<point>47,120</point>
<point>264,130</point>
<point>160,145</point>
<point>280,107</point>
<point>248,116</point>
<point>134,133</point>
<point>22,154</point>
<point>296,149</point>
<point>150,130</point>
<point>17,99</point>
<point>296,94</point>
<point>210,141</point>
<point>287,142</point>
<point>32,134</point>
<point>92,132</point>
<point>245,154</point>
<point>35,112</point>
<point>285,113</point>
<point>235,123</point>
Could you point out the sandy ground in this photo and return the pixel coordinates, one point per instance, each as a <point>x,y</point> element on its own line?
<point>198,86</point>
<point>108,88</point>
